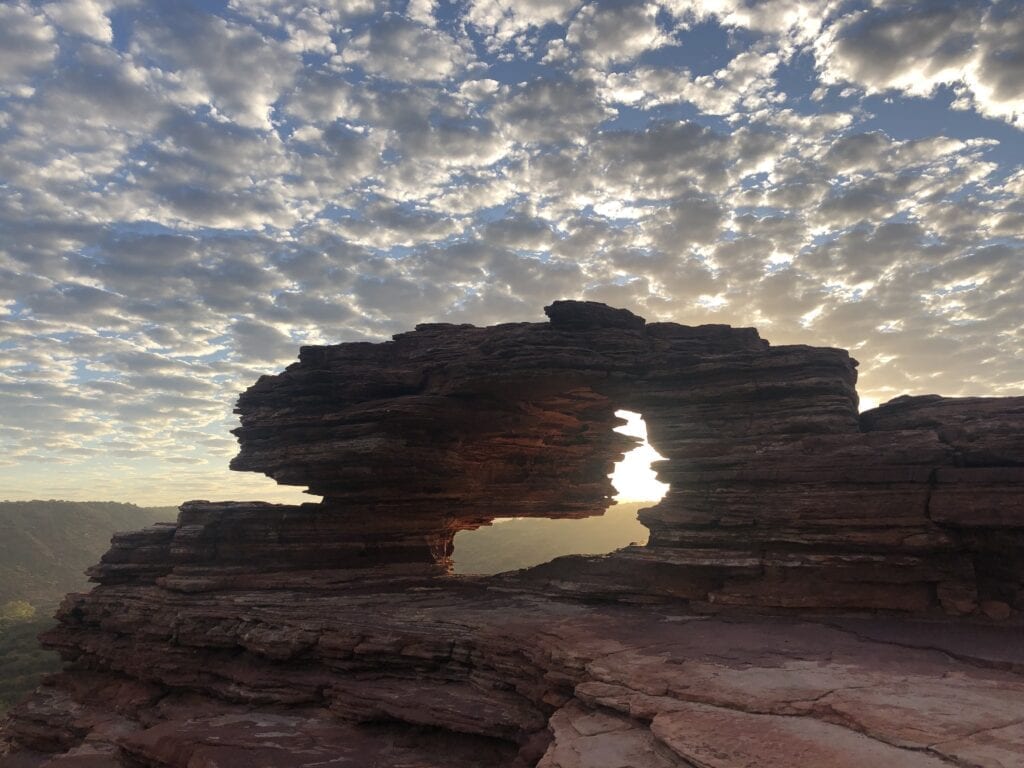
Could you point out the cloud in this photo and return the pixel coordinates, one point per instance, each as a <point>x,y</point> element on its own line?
<point>320,96</point>
<point>745,82</point>
<point>800,20</point>
<point>666,159</point>
<point>279,12</point>
<point>503,20</point>
<point>26,47</point>
<point>189,196</point>
<point>232,67</point>
<point>611,33</point>
<point>400,49</point>
<point>975,48</point>
<point>549,111</point>
<point>83,17</point>
<point>259,342</point>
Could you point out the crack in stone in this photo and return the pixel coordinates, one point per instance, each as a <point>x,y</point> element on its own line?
<point>972,734</point>
<point>973,661</point>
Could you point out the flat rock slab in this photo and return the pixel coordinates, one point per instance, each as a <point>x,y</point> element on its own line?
<point>481,675</point>
<point>711,737</point>
<point>585,739</point>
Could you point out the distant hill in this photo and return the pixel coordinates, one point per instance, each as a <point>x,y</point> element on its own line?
<point>523,542</point>
<point>46,545</point>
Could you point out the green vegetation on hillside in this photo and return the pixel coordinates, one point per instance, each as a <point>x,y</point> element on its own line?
<point>45,547</point>
<point>22,661</point>
<point>524,542</point>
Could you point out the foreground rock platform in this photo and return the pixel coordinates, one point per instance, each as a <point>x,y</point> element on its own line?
<point>404,671</point>
<point>820,587</point>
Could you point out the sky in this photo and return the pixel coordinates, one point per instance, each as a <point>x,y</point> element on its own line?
<point>189,191</point>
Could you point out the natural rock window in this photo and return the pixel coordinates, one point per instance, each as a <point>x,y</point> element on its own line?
<point>634,478</point>
<point>783,495</point>
<point>509,543</point>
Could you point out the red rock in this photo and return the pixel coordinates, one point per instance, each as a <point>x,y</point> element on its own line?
<point>449,426</point>
<point>259,634</point>
<point>487,668</point>
<point>725,738</point>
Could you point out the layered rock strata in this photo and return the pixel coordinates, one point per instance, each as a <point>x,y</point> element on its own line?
<point>334,633</point>
<point>782,496</point>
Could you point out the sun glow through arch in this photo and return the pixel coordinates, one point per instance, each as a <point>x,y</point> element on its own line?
<point>633,478</point>
<point>509,543</point>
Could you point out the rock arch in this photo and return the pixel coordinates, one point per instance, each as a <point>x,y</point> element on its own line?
<point>450,426</point>
<point>782,494</point>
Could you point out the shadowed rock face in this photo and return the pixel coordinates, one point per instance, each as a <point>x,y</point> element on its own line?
<point>781,495</point>
<point>452,426</point>
<point>463,421</point>
<point>261,634</point>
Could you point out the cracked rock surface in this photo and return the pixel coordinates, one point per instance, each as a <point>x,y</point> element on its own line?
<point>404,672</point>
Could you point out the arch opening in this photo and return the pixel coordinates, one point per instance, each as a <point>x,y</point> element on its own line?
<point>633,478</point>
<point>510,543</point>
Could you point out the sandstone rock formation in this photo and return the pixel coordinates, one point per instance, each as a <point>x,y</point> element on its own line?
<point>251,634</point>
<point>781,495</point>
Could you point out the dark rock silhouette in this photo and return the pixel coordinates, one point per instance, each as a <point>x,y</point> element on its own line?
<point>781,495</point>
<point>259,634</point>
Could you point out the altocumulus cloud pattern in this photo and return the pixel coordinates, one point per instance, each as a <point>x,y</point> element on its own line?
<point>190,190</point>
